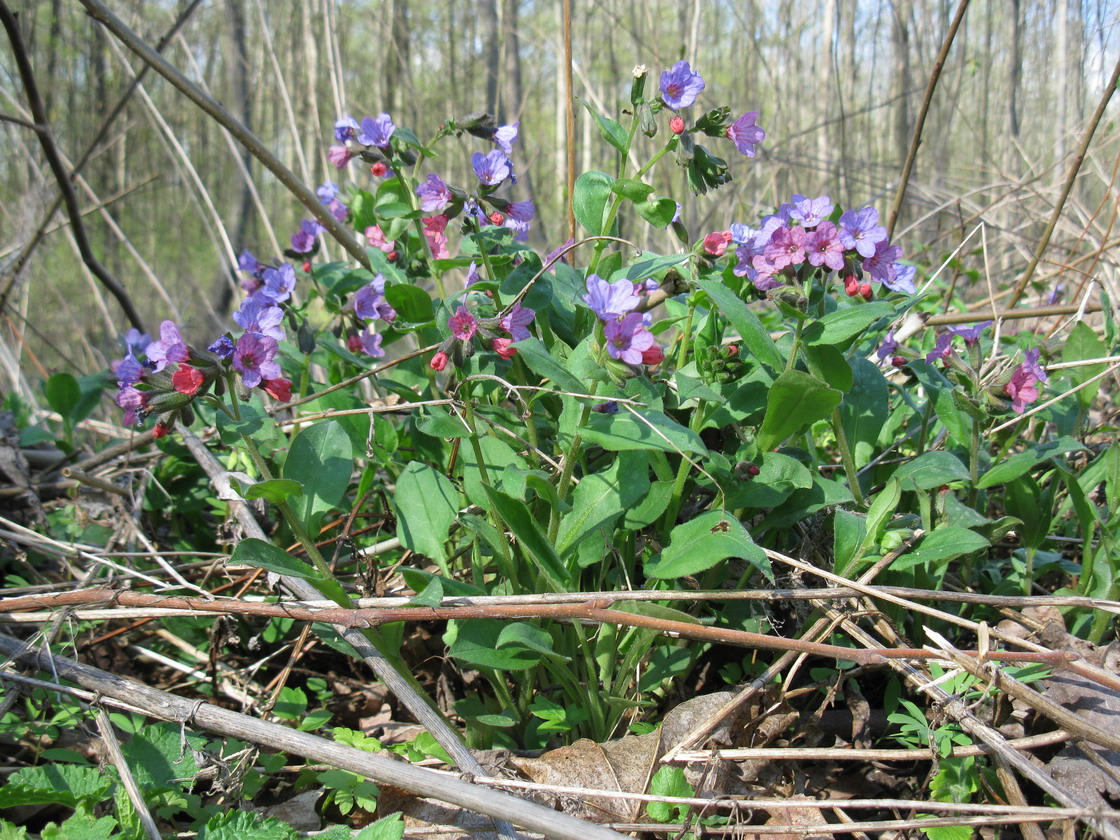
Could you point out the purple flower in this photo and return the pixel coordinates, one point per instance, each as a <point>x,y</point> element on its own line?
<point>888,348</point>
<point>345,129</point>
<point>741,234</point>
<point>1055,294</point>
<point>880,264</point>
<point>680,86</point>
<point>1023,387</point>
<point>371,342</point>
<point>491,168</point>
<point>262,316</point>
<point>523,211</point>
<point>810,212</point>
<point>303,240</point>
<point>339,156</point>
<point>278,283</point>
<point>327,192</point>
<point>129,370</point>
<point>824,248</point>
<point>472,273</point>
<point>376,132</point>
<point>860,231</point>
<point>786,247</point>
<point>339,210</point>
<point>517,321</point>
<point>745,134</point>
<point>463,324</point>
<point>253,267</point>
<point>253,358</point>
<point>434,194</point>
<point>504,136</point>
<point>1030,363</point>
<point>608,407</point>
<point>901,278</point>
<point>626,339</point>
<point>971,335</point>
<point>135,341</point>
<point>222,348</point>
<point>132,401</point>
<point>169,349</point>
<point>610,301</point>
<point>941,349</point>
<point>369,298</point>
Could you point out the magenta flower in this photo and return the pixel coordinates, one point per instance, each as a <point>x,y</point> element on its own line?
<point>1023,387</point>
<point>824,248</point>
<point>786,247</point>
<point>463,324</point>
<point>942,349</point>
<point>491,168</point>
<point>516,323</point>
<point>262,316</point>
<point>170,349</point>
<point>253,358</point>
<point>610,301</point>
<point>434,227</point>
<point>680,86</point>
<point>810,212</point>
<point>434,194</point>
<point>745,134</point>
<point>339,156</point>
<point>628,339</point>
<point>376,132</point>
<point>860,231</point>
<point>376,237</point>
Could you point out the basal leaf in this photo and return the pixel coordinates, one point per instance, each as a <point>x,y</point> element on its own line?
<point>699,544</point>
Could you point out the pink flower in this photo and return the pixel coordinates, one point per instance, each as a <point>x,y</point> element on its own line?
<point>463,324</point>
<point>339,156</point>
<point>434,227</point>
<point>377,239</point>
<point>716,243</point>
<point>187,380</point>
<point>278,388</point>
<point>439,361</point>
<point>503,347</point>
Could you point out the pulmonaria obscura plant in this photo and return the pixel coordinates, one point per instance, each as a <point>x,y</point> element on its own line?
<point>591,415</point>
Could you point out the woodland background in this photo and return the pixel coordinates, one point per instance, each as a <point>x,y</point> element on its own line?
<point>171,200</point>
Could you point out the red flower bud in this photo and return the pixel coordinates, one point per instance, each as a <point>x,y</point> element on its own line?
<point>187,380</point>
<point>497,218</point>
<point>753,470</point>
<point>392,256</point>
<point>379,169</point>
<point>715,243</point>
<point>439,361</point>
<point>503,347</point>
<point>851,285</point>
<point>306,268</point>
<point>279,388</point>
<point>161,429</point>
<point>653,356</point>
<point>898,361</point>
<point>353,342</point>
<point>732,350</point>
<point>676,124</point>
<point>865,291</point>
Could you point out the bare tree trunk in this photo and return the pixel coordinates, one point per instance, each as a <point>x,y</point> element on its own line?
<point>488,19</point>
<point>1061,80</point>
<point>900,33</point>
<point>1015,70</point>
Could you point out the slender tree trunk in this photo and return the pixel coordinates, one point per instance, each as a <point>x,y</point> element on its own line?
<point>491,38</point>
<point>1015,69</point>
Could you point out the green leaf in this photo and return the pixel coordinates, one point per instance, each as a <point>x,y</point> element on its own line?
<point>1081,344</point>
<point>779,475</point>
<point>609,129</point>
<point>235,824</point>
<point>841,326</point>
<point>698,545</point>
<point>651,506</point>
<point>413,304</point>
<point>941,546</point>
<point>426,503</point>
<point>600,498</point>
<point>864,410</point>
<point>631,189</point>
<point>63,394</point>
<point>321,459</point>
<point>829,365</point>
<point>618,432</point>
<point>848,532</point>
<point>746,323</point>
<point>264,555</point>
<point>931,469</point>
<point>386,828</point>
<point>64,784</point>
<point>291,703</point>
<point>541,362</point>
<point>476,643</point>
<point>10,831</point>
<point>1023,462</point>
<point>659,212</point>
<point>796,401</point>
<point>527,636</point>
<point>254,423</point>
<point>276,490</point>
<point>590,199</point>
<point>80,826</point>
<point>159,760</point>
<point>668,781</point>
<point>435,421</point>
<point>430,596</point>
<point>532,539</point>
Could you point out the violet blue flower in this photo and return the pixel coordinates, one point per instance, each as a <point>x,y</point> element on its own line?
<point>941,349</point>
<point>504,136</point>
<point>901,278</point>
<point>626,339</point>
<point>517,321</point>
<point>303,240</point>
<point>369,297</point>
<point>810,212</point>
<point>262,316</point>
<point>463,324</point>
<point>741,234</point>
<point>371,342</point>
<point>170,349</point>
<point>888,348</point>
<point>745,134</point>
<point>1030,363</point>
<point>824,248</point>
<point>376,132</point>
<point>327,192</point>
<point>434,194</point>
<point>253,358</point>
<point>128,370</point>
<point>860,231</point>
<point>971,335</point>
<point>879,265</point>
<point>222,348</point>
<point>491,168</point>
<point>345,129</point>
<point>610,301</point>
<point>278,283</point>
<point>132,401</point>
<point>523,211</point>
<point>472,273</point>
<point>135,341</point>
<point>249,264</point>
<point>680,86</point>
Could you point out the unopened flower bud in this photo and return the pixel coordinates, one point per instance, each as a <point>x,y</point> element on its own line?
<point>898,361</point>
<point>851,285</point>
<point>638,86</point>
<point>676,124</point>
<point>439,361</point>
<point>161,429</point>
<point>392,256</point>
<point>653,356</point>
<point>646,121</point>
<point>353,342</point>
<point>865,291</point>
<point>379,169</point>
<point>732,350</point>
<point>503,347</point>
<point>496,218</point>
<point>306,268</point>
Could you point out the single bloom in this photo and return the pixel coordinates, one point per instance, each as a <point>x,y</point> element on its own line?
<point>463,324</point>
<point>860,231</point>
<point>169,349</point>
<point>376,237</point>
<point>434,227</point>
<point>941,349</point>
<point>888,348</point>
<point>339,156</point>
<point>376,132</point>
<point>129,370</point>
<point>345,129</point>
<point>745,134</point>
<point>1023,388</point>
<point>132,401</point>
<point>187,380</point>
<point>278,388</point>
<point>971,335</point>
<point>439,361</point>
<point>715,244</point>
<point>504,347</point>
<point>472,273</point>
<point>810,212</point>
<point>880,264</point>
<point>261,315</point>
<point>303,240</point>
<point>222,348</point>
<point>680,86</point>
<point>254,358</point>
<point>653,355</point>
<point>278,283</point>
<point>369,298</point>
<point>491,168</point>
<point>610,301</point>
<point>434,194</point>
<point>327,191</point>
<point>1030,362</point>
<point>516,323</point>
<point>504,136</point>
<point>371,342</point>
<point>786,247</point>
<point>823,247</point>
<point>628,339</point>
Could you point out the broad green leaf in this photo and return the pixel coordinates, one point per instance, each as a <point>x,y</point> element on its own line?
<point>426,503</point>
<point>590,200</point>
<point>497,456</point>
<point>355,425</point>
<point>64,784</point>
<point>234,824</point>
<point>655,430</point>
<point>668,781</point>
<point>63,394</point>
<point>779,475</point>
<point>542,363</point>
<point>80,826</point>
<point>386,828</point>
<point>276,490</point>
<point>265,555</point>
<point>650,507</point>
<point>1022,462</point>
<point>413,304</point>
<point>476,643</point>
<point>841,326</point>
<point>431,595</point>
<point>631,189</point>
<point>882,509</point>
<point>931,469</point>
<point>745,322</point>
<point>829,365</point>
<point>659,212</point>
<point>159,760</point>
<point>941,546</point>
<point>10,831</point>
<point>1081,344</point>
<point>699,544</point>
<point>609,129</point>
<point>437,422</point>
<point>291,704</point>
<point>804,503</point>
<point>848,532</point>
<point>796,401</point>
<point>520,633</point>
<point>532,539</point>
<point>863,411</point>
<point>321,459</point>
<point>600,498</point>
<point>254,423</point>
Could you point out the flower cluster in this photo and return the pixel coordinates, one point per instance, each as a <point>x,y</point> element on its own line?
<point>466,326</point>
<point>1023,388</point>
<point>368,305</point>
<point>628,338</point>
<point>801,237</point>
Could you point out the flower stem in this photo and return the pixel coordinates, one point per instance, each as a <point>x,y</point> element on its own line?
<point>846,456</point>
<point>569,468</point>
